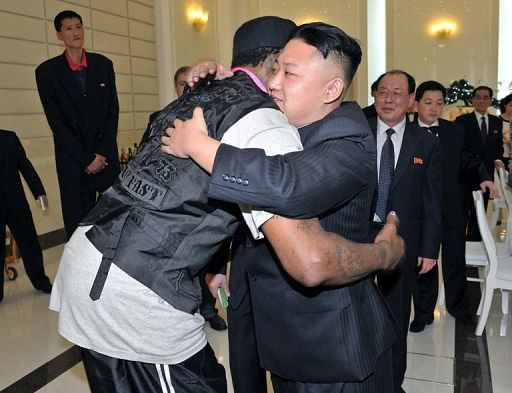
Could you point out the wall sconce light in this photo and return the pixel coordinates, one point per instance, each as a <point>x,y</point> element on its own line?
<point>443,29</point>
<point>197,17</point>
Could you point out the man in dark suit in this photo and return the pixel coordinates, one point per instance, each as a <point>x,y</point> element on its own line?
<point>275,320</point>
<point>485,134</point>
<point>409,169</point>
<point>458,164</point>
<point>15,211</point>
<point>180,80</point>
<point>369,111</point>
<point>78,93</point>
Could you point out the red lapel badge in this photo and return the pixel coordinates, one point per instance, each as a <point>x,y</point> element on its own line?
<point>418,161</point>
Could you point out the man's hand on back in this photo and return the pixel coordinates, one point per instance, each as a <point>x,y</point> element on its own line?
<point>207,70</point>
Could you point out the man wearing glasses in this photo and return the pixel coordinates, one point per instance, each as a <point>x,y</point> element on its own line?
<point>409,169</point>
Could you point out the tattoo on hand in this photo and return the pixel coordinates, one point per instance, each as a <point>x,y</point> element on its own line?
<point>383,254</point>
<point>305,226</point>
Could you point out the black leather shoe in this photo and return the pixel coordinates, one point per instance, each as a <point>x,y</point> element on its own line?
<point>45,287</point>
<point>417,326</point>
<point>217,323</point>
<point>467,320</point>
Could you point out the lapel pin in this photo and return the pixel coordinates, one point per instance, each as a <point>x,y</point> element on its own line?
<point>417,161</point>
<point>102,85</point>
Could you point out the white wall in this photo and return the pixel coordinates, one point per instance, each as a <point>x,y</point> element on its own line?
<point>123,30</point>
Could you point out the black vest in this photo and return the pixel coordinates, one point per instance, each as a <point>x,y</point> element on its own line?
<point>156,222</point>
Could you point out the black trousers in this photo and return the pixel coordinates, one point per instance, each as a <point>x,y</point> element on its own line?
<point>454,270</point>
<point>396,287</point>
<point>246,373</point>
<point>379,382</point>
<point>473,233</point>
<point>77,200</point>
<point>200,373</point>
<point>454,277</point>
<point>424,295</point>
<point>22,228</point>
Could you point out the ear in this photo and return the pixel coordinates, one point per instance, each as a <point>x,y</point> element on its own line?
<point>415,106</point>
<point>335,89</point>
<point>412,101</point>
<point>59,36</point>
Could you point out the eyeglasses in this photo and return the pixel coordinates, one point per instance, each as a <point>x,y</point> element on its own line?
<point>396,94</point>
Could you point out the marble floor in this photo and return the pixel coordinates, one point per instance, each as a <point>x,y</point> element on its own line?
<point>33,357</point>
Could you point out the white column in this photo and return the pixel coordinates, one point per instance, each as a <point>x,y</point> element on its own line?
<point>164,31</point>
<point>504,49</point>
<point>376,41</point>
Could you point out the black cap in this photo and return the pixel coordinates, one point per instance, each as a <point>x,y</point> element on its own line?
<point>270,31</point>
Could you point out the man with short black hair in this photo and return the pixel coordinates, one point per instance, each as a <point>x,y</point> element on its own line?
<point>369,111</point>
<point>458,164</point>
<point>298,313</point>
<point>78,93</point>
<point>180,80</point>
<point>485,135</point>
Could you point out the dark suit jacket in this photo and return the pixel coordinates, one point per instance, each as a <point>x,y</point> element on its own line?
<point>459,165</point>
<point>415,192</point>
<point>323,334</point>
<point>370,111</point>
<point>81,124</point>
<point>14,161</point>
<point>492,149</point>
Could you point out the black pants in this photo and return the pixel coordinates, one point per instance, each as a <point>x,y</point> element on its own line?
<point>77,200</point>
<point>454,278</point>
<point>379,382</point>
<point>246,373</point>
<point>200,373</point>
<point>454,271</point>
<point>22,228</point>
<point>473,233</point>
<point>396,287</point>
<point>424,295</point>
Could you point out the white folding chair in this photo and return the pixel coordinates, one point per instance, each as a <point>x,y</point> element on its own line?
<point>475,257</point>
<point>507,197</point>
<point>499,203</point>
<point>499,272</point>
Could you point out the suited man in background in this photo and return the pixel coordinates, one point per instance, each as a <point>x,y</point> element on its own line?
<point>78,93</point>
<point>409,168</point>
<point>15,211</point>
<point>458,164</point>
<point>180,80</point>
<point>485,134</point>
<point>369,111</point>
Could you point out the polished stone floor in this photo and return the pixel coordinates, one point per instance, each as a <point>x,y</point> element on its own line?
<point>442,358</point>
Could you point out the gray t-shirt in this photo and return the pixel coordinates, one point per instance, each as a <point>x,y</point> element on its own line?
<point>130,321</point>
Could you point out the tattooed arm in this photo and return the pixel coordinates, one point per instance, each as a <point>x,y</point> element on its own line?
<point>314,257</point>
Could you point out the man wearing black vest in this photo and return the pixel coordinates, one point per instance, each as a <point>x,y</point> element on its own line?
<point>78,93</point>
<point>485,135</point>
